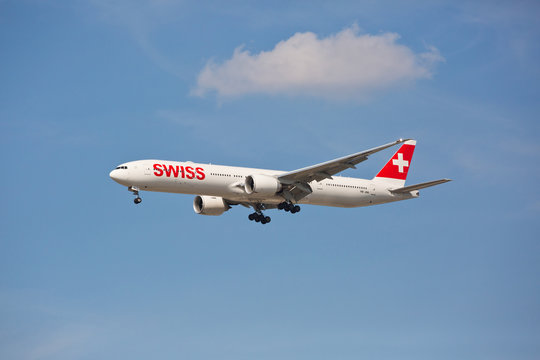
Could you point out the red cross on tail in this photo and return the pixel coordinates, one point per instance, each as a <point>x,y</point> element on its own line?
<point>396,169</point>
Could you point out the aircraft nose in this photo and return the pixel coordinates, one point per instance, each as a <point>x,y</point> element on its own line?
<point>120,174</point>
<point>114,175</point>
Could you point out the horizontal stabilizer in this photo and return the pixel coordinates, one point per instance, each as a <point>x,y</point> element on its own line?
<point>407,189</point>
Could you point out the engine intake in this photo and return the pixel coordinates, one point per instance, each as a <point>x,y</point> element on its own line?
<point>262,184</point>
<point>210,205</point>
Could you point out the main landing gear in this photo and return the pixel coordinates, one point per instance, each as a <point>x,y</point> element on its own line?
<point>259,217</point>
<point>287,206</point>
<point>135,191</point>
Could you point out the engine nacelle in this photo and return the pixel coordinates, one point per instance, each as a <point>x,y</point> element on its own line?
<point>262,184</point>
<point>210,205</point>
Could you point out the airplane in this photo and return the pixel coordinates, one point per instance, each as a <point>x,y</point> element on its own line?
<point>219,187</point>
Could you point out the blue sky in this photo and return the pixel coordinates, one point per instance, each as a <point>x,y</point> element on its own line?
<point>86,85</point>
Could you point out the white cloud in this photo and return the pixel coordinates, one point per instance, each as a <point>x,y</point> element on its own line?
<point>342,66</point>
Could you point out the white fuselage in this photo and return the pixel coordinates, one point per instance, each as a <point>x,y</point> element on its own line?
<point>228,182</point>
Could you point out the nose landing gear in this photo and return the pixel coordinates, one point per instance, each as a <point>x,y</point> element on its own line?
<point>135,191</point>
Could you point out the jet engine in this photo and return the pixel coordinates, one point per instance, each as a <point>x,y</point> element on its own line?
<point>262,184</point>
<point>210,205</point>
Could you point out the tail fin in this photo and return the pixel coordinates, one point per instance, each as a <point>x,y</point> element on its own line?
<point>395,171</point>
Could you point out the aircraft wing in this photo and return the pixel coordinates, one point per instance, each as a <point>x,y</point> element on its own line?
<point>326,170</point>
<point>409,188</point>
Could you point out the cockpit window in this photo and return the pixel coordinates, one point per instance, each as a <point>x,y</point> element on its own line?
<point>121,167</point>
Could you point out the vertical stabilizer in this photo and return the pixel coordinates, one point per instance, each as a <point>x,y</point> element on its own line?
<point>395,171</point>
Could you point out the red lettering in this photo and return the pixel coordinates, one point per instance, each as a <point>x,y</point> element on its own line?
<point>200,173</point>
<point>169,169</point>
<point>190,173</point>
<point>174,170</point>
<point>187,172</point>
<point>157,170</point>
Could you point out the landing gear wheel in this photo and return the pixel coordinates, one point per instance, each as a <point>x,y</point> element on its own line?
<point>135,191</point>
<point>259,217</point>
<point>289,207</point>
